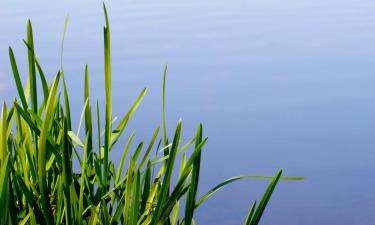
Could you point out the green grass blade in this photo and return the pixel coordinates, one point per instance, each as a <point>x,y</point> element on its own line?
<point>46,207</point>
<point>230,180</point>
<point>119,210</point>
<point>26,219</point>
<point>67,105</point>
<point>128,191</point>
<point>98,125</point>
<point>190,199</point>
<point>43,80</point>
<point>26,116</point>
<point>121,126</point>
<point>62,41</point>
<point>67,173</point>
<point>94,219</point>
<point>106,217</point>
<point>266,197</point>
<point>250,214</point>
<point>82,184</point>
<point>146,155</point>
<point>75,139</point>
<point>17,79</point>
<point>146,187</point>
<point>32,71</point>
<point>108,98</point>
<point>88,117</point>
<point>172,201</point>
<point>135,199</point>
<point>3,132</point>
<point>123,157</point>
<point>167,176</point>
<point>30,199</point>
<point>4,190</point>
<point>165,139</point>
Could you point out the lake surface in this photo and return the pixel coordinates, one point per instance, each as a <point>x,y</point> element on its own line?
<point>277,84</point>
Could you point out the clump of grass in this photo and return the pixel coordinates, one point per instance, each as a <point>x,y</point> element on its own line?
<point>37,148</point>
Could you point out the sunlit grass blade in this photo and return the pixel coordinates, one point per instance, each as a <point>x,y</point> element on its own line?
<point>26,219</point>
<point>26,116</point>
<point>42,154</point>
<point>88,119</point>
<point>3,132</point>
<point>4,190</point>
<point>108,98</point>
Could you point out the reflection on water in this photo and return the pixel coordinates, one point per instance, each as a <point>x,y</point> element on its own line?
<point>277,84</point>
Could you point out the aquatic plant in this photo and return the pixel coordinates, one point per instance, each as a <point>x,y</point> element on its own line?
<point>46,178</point>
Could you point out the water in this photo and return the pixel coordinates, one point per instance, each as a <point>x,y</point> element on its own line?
<point>277,84</point>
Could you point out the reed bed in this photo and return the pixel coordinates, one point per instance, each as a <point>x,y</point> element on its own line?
<point>40,185</point>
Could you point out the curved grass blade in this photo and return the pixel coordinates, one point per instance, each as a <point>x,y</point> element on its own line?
<point>230,180</point>
<point>17,79</point>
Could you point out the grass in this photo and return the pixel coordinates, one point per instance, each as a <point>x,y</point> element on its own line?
<point>38,147</point>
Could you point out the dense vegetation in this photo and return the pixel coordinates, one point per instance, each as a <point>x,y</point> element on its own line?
<point>40,185</point>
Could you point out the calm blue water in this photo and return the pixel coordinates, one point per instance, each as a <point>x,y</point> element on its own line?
<point>277,84</point>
